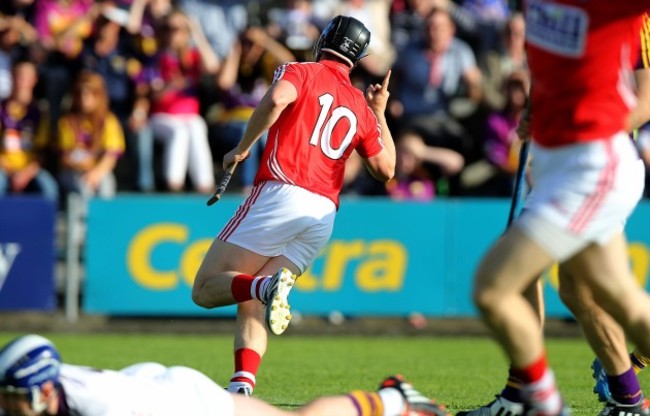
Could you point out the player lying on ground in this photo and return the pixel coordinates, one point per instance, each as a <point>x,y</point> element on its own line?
<point>34,381</point>
<point>315,119</point>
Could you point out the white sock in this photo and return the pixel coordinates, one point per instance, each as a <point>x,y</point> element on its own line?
<point>394,402</point>
<point>234,386</point>
<point>259,286</point>
<point>543,395</point>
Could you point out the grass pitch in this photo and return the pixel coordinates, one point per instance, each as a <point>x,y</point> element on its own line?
<point>460,372</point>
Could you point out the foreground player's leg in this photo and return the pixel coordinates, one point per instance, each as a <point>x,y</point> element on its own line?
<point>601,388</point>
<point>606,272</point>
<point>510,400</point>
<point>507,270</point>
<point>395,397</point>
<point>605,337</point>
<point>259,286</point>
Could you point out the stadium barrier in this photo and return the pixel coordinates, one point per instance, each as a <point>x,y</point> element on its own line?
<point>27,254</point>
<point>385,258</point>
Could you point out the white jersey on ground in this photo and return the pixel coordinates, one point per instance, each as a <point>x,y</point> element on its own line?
<point>145,389</point>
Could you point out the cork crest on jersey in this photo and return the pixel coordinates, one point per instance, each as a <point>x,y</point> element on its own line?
<point>557,28</point>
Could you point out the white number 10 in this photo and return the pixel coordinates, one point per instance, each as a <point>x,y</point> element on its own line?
<point>325,136</point>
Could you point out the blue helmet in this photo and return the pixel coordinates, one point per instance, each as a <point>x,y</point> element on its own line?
<point>26,363</point>
<point>345,37</point>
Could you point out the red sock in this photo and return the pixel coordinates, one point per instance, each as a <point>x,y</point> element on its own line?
<point>247,362</point>
<point>533,372</point>
<point>246,287</point>
<point>241,287</point>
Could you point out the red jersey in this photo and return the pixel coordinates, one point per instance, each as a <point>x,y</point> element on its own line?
<point>313,137</point>
<point>581,55</point>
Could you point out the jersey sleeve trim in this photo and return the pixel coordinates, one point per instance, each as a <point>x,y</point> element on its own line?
<point>289,72</point>
<point>645,42</point>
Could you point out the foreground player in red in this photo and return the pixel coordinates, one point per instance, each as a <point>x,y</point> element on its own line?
<point>316,119</point>
<point>614,370</point>
<point>585,185</point>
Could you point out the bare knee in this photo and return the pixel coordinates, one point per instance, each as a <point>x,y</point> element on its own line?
<point>206,291</point>
<point>485,296</point>
<point>197,294</point>
<point>485,299</point>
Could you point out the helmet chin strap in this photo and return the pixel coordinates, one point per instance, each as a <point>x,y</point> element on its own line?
<point>38,405</point>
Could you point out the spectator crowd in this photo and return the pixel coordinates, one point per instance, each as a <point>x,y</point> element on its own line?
<point>99,97</point>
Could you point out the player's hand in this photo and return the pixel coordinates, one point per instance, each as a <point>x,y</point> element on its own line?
<point>377,95</point>
<point>235,155</point>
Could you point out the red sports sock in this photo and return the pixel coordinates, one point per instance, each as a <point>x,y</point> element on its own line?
<point>241,287</point>
<point>247,362</point>
<point>246,287</point>
<point>533,372</point>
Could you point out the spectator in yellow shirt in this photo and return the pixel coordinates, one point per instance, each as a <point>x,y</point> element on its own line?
<point>23,139</point>
<point>90,139</point>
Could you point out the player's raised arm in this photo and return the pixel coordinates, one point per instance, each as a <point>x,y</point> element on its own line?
<point>382,165</point>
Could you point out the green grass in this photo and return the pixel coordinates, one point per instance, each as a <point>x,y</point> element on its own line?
<point>461,372</point>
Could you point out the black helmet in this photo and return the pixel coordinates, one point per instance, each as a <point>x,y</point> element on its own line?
<point>345,37</point>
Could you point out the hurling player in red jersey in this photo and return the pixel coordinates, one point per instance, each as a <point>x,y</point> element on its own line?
<point>586,183</point>
<point>315,119</point>
<point>614,370</point>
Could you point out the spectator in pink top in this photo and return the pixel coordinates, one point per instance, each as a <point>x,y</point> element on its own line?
<point>63,24</point>
<point>184,57</point>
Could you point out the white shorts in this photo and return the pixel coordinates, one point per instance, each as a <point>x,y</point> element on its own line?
<point>582,194</point>
<point>278,219</point>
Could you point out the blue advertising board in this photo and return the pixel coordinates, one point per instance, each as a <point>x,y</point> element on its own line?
<point>385,258</point>
<point>27,254</point>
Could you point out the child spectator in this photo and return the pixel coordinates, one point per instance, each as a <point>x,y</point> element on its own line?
<point>24,138</point>
<point>440,164</point>
<point>90,139</point>
<point>411,181</point>
<point>175,116</point>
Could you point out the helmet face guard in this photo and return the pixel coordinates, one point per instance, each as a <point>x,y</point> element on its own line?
<point>344,37</point>
<point>26,364</point>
